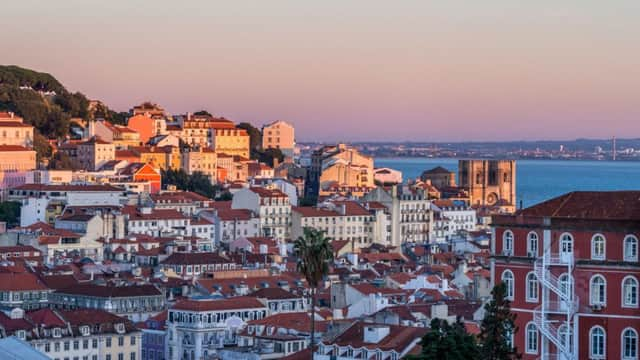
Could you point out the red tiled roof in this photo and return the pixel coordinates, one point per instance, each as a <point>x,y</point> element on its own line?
<point>263,192</point>
<point>13,147</point>
<point>184,258</point>
<point>234,214</point>
<point>111,291</point>
<point>596,205</point>
<point>77,188</point>
<point>223,304</point>
<point>308,211</point>
<point>274,293</point>
<point>399,338</point>
<point>367,289</point>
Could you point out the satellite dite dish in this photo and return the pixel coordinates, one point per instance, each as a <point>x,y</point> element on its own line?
<point>234,322</point>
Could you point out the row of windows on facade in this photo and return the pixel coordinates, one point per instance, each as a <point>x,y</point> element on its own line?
<point>215,317</point>
<point>196,268</point>
<point>597,341</point>
<point>598,245</point>
<point>76,344</point>
<point>597,288</point>
<point>120,356</point>
<point>155,223</point>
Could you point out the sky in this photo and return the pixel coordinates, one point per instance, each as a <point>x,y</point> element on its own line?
<point>352,70</point>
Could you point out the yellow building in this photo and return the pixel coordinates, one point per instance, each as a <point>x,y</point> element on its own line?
<point>227,138</point>
<point>13,131</point>
<point>201,160</point>
<point>166,157</point>
<point>339,167</point>
<point>279,135</point>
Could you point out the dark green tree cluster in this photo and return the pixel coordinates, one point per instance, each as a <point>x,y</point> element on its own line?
<point>16,76</point>
<point>50,115</point>
<point>255,145</point>
<point>197,182</point>
<point>452,342</point>
<point>448,341</point>
<point>10,213</point>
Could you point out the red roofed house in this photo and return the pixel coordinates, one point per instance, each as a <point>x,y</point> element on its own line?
<point>371,341</point>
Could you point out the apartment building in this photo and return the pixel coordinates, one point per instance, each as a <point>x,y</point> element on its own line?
<point>570,266</point>
<point>279,135</point>
<point>271,205</point>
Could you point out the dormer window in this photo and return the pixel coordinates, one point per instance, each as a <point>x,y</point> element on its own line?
<point>57,332</point>
<point>84,330</point>
<point>119,328</point>
<point>269,330</point>
<point>22,335</point>
<point>250,329</point>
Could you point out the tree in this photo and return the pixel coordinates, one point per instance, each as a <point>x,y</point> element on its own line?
<point>314,253</point>
<point>196,182</point>
<point>255,136</point>
<point>10,212</point>
<point>61,161</point>
<point>445,341</point>
<point>202,113</point>
<point>41,146</point>
<point>498,326</point>
<point>267,156</point>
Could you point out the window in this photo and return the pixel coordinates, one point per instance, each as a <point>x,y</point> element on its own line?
<point>133,340</point>
<point>630,292</point>
<point>507,279</point>
<point>507,243</point>
<point>596,342</point>
<point>629,344</point>
<point>598,247</point>
<point>532,244</point>
<point>630,248</point>
<point>565,335</point>
<point>531,339</point>
<point>598,290</point>
<point>532,287</point>
<point>108,342</point>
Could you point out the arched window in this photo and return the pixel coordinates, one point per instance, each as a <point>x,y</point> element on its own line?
<point>598,247</point>
<point>532,287</point>
<point>507,243</point>
<point>630,248</point>
<point>566,246</point>
<point>629,344</point>
<point>532,244</point>
<point>566,284</point>
<point>531,339</point>
<point>596,342</point>
<point>564,333</point>
<point>630,291</point>
<point>507,279</point>
<point>598,290</point>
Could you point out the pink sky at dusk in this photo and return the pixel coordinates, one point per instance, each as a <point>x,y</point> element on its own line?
<point>350,70</point>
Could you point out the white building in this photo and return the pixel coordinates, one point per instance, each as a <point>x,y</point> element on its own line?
<point>410,211</point>
<point>271,205</point>
<point>230,224</point>
<point>451,218</point>
<point>198,328</point>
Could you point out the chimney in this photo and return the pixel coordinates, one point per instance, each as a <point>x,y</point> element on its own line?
<point>373,334</point>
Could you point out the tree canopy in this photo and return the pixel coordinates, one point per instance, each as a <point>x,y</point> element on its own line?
<point>49,114</point>
<point>10,213</point>
<point>498,327</point>
<point>449,342</point>
<point>196,182</point>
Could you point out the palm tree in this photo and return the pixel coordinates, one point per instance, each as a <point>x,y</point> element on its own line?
<point>314,253</point>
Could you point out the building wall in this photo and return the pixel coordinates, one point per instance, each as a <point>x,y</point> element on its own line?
<point>279,135</point>
<point>489,181</point>
<point>230,141</point>
<point>614,316</point>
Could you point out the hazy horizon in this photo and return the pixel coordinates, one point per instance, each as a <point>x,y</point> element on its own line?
<point>421,71</point>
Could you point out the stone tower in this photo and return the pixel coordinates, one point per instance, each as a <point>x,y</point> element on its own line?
<point>489,182</point>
